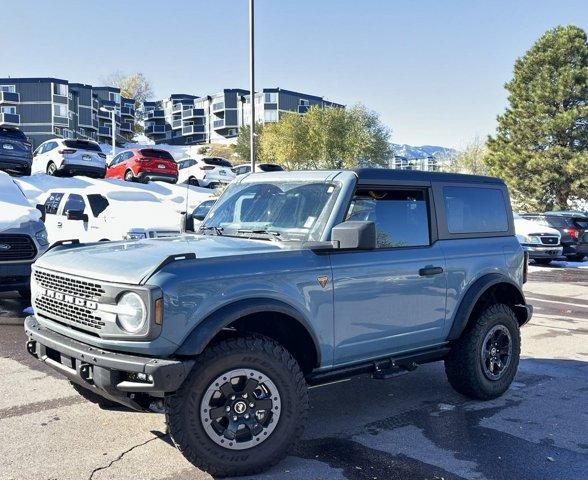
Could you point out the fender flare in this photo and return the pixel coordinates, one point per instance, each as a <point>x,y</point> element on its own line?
<point>474,293</point>
<point>205,331</point>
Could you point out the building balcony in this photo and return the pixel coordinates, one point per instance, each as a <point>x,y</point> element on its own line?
<point>9,98</point>
<point>127,111</point>
<point>95,123</point>
<point>177,124</point>
<point>156,129</point>
<point>95,104</point>
<point>104,132</point>
<point>153,114</point>
<point>192,113</point>
<point>218,106</point>
<point>104,115</point>
<point>218,124</point>
<point>9,119</point>
<point>190,129</point>
<point>126,127</point>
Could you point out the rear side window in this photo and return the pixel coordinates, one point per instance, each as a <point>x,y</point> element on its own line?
<point>80,145</point>
<point>218,162</point>
<point>581,222</point>
<point>401,216</point>
<point>98,203</point>
<point>52,203</point>
<point>161,154</point>
<point>475,210</point>
<point>556,221</point>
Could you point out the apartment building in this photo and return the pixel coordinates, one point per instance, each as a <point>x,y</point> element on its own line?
<point>45,108</point>
<point>187,119</point>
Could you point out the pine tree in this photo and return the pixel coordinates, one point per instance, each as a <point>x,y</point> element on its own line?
<point>541,144</point>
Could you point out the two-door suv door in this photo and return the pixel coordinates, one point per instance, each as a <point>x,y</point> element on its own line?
<point>390,299</point>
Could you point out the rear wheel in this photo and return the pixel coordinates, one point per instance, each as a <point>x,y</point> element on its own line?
<point>241,409</point>
<point>129,177</point>
<point>578,257</point>
<point>51,168</point>
<point>483,362</point>
<point>542,261</point>
<point>193,181</point>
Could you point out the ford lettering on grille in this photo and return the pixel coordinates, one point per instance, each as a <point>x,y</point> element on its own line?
<point>63,297</point>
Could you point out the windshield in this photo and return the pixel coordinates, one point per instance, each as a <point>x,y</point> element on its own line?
<point>290,210</point>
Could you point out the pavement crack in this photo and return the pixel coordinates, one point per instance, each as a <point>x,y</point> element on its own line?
<point>157,436</point>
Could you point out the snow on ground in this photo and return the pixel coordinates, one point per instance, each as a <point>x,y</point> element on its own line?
<point>14,208</point>
<point>180,197</point>
<point>179,152</point>
<point>533,267</point>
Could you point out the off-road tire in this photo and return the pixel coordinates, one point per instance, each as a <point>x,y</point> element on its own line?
<point>96,399</point>
<point>182,410</point>
<point>463,366</point>
<point>542,261</point>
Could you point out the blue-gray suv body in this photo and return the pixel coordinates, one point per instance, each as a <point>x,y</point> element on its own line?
<point>295,278</point>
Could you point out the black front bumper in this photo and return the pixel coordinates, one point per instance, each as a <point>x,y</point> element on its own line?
<point>110,374</point>
<point>15,276</point>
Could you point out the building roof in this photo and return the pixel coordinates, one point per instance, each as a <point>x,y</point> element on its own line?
<point>388,174</point>
<point>33,79</point>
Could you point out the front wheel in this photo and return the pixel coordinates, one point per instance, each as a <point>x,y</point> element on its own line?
<point>484,360</point>
<point>543,261</point>
<point>241,409</point>
<point>129,177</point>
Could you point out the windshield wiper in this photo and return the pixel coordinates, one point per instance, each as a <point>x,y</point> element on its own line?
<point>272,234</point>
<point>212,228</point>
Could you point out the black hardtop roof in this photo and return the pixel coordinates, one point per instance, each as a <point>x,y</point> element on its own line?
<point>389,174</point>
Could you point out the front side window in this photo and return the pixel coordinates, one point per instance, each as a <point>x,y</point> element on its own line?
<point>75,203</point>
<point>288,210</point>
<point>475,210</point>
<point>401,216</point>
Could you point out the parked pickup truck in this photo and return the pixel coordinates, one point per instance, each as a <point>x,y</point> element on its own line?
<point>296,278</point>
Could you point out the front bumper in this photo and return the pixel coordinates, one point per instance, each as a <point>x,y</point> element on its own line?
<point>543,251</point>
<point>84,170</point>
<point>15,276</point>
<point>110,374</point>
<point>157,177</point>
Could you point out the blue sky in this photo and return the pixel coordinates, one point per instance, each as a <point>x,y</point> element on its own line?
<point>433,70</point>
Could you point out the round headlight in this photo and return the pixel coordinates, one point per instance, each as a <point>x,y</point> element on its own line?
<point>131,312</point>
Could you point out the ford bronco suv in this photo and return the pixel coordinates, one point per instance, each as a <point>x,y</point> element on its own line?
<point>295,279</point>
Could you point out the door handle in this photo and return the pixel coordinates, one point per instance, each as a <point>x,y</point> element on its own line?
<point>59,224</point>
<point>429,271</point>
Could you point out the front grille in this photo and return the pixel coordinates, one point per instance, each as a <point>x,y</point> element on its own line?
<point>58,310</point>
<point>15,247</point>
<point>68,285</point>
<point>549,240</point>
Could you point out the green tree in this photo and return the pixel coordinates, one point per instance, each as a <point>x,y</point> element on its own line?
<point>326,138</point>
<point>241,148</point>
<point>470,160</point>
<point>541,145</point>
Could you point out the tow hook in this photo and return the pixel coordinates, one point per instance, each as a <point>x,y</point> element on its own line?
<point>32,348</point>
<point>86,372</point>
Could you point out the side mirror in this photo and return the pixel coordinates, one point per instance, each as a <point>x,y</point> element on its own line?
<point>76,215</point>
<point>354,235</point>
<point>198,216</point>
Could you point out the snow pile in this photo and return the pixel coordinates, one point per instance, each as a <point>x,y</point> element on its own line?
<point>14,207</point>
<point>178,197</point>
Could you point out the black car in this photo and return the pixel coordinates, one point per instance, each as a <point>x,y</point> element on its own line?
<point>16,153</point>
<point>573,226</point>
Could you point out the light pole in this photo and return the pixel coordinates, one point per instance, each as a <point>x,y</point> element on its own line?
<point>112,129</point>
<point>252,84</point>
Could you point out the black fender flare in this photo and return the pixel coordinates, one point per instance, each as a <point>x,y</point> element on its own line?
<point>475,292</point>
<point>205,331</point>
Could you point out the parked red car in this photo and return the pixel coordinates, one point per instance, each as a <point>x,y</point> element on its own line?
<point>142,165</point>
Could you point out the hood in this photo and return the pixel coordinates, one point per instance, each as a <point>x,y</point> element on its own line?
<point>133,261</point>
<point>527,227</point>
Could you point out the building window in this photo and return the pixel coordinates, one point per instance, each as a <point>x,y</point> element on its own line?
<point>60,89</point>
<point>59,110</point>
<point>271,97</point>
<point>11,110</point>
<point>270,116</point>
<point>304,102</point>
<point>8,88</point>
<point>115,97</point>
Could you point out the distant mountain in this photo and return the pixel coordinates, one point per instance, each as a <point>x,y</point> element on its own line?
<point>424,151</point>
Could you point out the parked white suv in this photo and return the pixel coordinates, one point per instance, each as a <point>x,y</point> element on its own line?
<point>91,215</point>
<point>206,172</point>
<point>61,157</point>
<point>542,243</point>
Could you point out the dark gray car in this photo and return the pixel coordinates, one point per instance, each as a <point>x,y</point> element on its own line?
<point>16,155</point>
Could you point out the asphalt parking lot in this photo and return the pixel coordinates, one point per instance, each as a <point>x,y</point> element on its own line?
<point>411,427</point>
